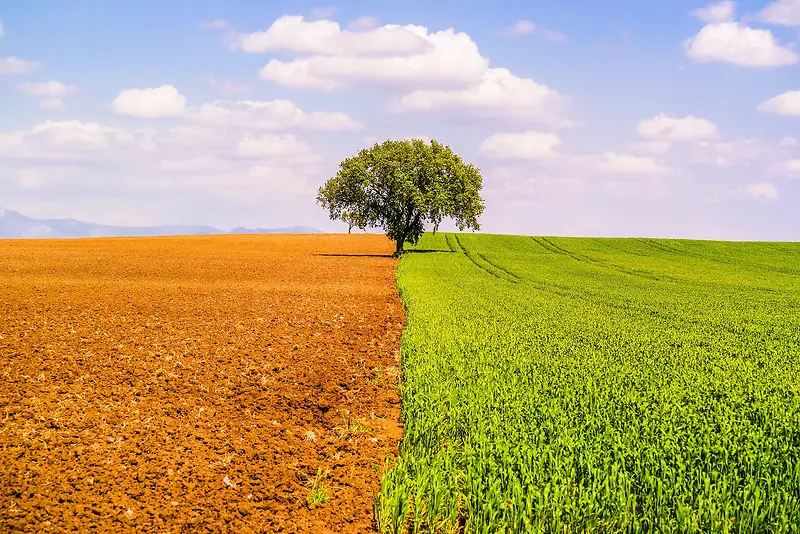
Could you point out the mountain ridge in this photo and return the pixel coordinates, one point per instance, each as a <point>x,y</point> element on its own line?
<point>15,225</point>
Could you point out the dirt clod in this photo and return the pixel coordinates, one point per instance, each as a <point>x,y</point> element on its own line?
<point>212,383</point>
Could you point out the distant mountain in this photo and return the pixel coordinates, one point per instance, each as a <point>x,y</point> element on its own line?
<point>16,225</point>
<point>287,230</point>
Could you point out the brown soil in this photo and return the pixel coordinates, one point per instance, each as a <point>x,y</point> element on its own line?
<point>196,383</point>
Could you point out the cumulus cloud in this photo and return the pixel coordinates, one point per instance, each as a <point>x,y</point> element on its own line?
<point>325,37</point>
<point>260,171</point>
<point>611,162</point>
<point>13,65</point>
<point>664,127</point>
<point>761,190</point>
<point>719,12</point>
<point>51,92</point>
<point>787,103</point>
<point>498,95</point>
<point>781,12</point>
<point>793,165</point>
<point>738,153</point>
<point>788,142</point>
<point>440,72</point>
<point>363,24</point>
<point>273,115</point>
<point>731,42</point>
<point>389,56</point>
<point>71,140</point>
<point>324,121</point>
<point>653,147</point>
<point>270,115</point>
<point>271,146</point>
<point>521,145</point>
<point>226,87</point>
<point>51,89</point>
<point>154,103</point>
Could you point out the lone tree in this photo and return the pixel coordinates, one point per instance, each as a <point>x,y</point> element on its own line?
<point>401,185</point>
<point>350,220</point>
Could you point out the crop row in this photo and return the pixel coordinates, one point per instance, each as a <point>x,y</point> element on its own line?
<point>602,385</point>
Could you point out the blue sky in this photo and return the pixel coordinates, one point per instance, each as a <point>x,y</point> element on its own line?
<point>643,119</point>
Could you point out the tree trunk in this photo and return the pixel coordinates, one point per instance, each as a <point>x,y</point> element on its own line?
<point>399,249</point>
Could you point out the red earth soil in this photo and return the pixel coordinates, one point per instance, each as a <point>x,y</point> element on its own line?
<point>211,383</point>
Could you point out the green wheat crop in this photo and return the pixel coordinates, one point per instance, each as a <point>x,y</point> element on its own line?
<point>598,385</point>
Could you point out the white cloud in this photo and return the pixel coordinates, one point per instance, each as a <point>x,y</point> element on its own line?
<point>653,147</point>
<point>611,162</point>
<point>741,153</point>
<point>551,36</point>
<point>390,56</point>
<point>324,121</point>
<point>784,104</point>
<point>521,27</point>
<point>13,65</point>
<point>521,145</point>
<point>61,140</point>
<point>271,146</point>
<point>730,42</point>
<point>670,128</point>
<point>51,103</point>
<point>318,13</point>
<point>762,190</point>
<point>51,92</point>
<point>214,24</point>
<point>157,102</point>
<point>499,95</point>
<point>793,165</point>
<point>788,142</point>
<point>2,29</point>
<point>736,153</point>
<point>270,115</point>
<point>51,89</point>
<point>60,156</point>
<point>202,164</point>
<point>325,37</point>
<point>526,27</point>
<point>781,12</point>
<point>443,72</point>
<point>719,12</point>
<point>75,134</point>
<point>227,87</point>
<point>363,24</point>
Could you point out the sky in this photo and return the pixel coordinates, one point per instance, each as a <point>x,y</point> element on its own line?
<point>586,118</point>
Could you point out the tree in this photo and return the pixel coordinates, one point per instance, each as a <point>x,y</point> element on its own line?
<point>350,220</point>
<point>402,185</point>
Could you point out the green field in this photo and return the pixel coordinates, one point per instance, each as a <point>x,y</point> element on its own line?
<point>598,385</point>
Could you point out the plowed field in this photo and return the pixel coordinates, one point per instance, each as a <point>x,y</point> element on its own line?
<point>196,383</point>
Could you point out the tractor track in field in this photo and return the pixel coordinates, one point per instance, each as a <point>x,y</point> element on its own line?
<point>492,269</point>
<point>600,263</point>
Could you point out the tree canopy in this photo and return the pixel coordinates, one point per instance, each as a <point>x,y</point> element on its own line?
<point>402,185</point>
